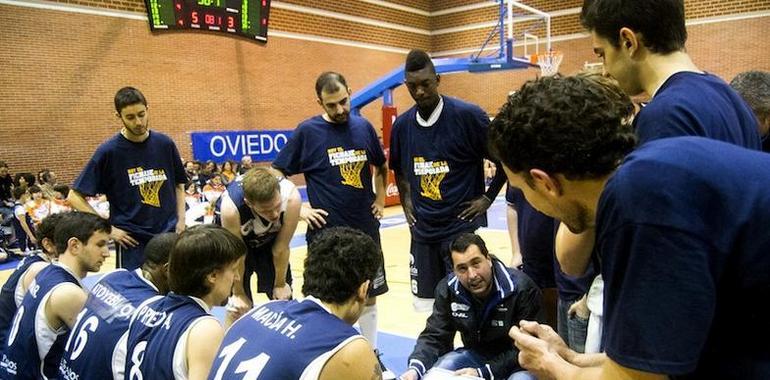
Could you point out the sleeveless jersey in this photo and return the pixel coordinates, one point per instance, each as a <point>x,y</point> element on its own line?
<point>281,340</point>
<point>89,351</point>
<point>255,230</point>
<point>9,301</point>
<point>33,349</point>
<point>157,337</point>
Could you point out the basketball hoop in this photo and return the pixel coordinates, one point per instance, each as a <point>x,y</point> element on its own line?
<point>549,62</point>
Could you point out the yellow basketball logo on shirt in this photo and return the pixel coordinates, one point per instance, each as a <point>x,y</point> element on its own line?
<point>149,182</point>
<point>350,162</point>
<point>431,174</point>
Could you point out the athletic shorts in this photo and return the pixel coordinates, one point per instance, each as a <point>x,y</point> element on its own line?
<point>260,261</point>
<point>429,263</point>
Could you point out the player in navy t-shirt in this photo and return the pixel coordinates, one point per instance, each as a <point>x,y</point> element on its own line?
<point>262,207</point>
<point>141,174</point>
<point>89,351</point>
<point>335,151</point>
<point>312,338</point>
<point>176,337</point>
<point>40,326</point>
<point>437,150</point>
<point>680,231</point>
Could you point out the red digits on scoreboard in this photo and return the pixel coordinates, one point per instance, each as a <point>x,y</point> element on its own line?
<point>209,19</point>
<point>194,17</point>
<point>230,22</point>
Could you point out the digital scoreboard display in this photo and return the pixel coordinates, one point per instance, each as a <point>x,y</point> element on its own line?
<point>247,18</point>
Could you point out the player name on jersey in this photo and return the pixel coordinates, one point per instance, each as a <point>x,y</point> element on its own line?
<point>276,321</point>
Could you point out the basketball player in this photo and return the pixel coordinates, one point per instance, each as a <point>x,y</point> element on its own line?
<point>262,207</point>
<point>141,174</point>
<point>313,338</point>
<point>176,337</point>
<point>90,348</point>
<point>56,296</point>
<point>437,151</point>
<point>16,286</point>
<point>335,151</point>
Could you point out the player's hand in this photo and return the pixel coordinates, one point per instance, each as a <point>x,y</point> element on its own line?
<point>378,208</point>
<point>410,374</point>
<point>474,208</point>
<point>314,217</point>
<point>123,238</point>
<point>408,212</point>
<point>32,239</point>
<point>282,292</point>
<point>546,333</point>
<point>180,226</point>
<point>234,309</point>
<point>467,372</point>
<point>533,352</point>
<point>580,308</point>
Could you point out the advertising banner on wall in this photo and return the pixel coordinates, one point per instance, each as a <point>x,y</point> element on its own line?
<point>232,145</point>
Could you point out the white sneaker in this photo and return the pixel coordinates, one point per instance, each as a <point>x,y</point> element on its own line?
<point>386,373</point>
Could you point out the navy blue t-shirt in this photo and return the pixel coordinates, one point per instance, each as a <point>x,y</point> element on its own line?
<point>693,104</point>
<point>139,180</point>
<point>335,159</point>
<point>685,260</point>
<point>444,164</point>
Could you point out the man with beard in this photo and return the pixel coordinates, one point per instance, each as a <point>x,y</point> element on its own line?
<point>141,174</point>
<point>335,151</point>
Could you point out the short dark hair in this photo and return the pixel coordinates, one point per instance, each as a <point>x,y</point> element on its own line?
<point>45,175</point>
<point>575,126</point>
<point>3,164</point>
<point>159,247</point>
<point>127,96</point>
<point>338,261</point>
<point>462,242</point>
<point>198,252</point>
<point>660,22</point>
<point>754,87</point>
<point>417,60</point>
<point>18,192</point>
<point>64,189</point>
<point>34,189</point>
<point>329,81</point>
<point>47,229</point>
<point>80,225</point>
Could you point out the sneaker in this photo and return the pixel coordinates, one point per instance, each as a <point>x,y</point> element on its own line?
<point>386,373</point>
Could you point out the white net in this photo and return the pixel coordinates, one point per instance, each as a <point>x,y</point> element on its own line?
<point>549,63</point>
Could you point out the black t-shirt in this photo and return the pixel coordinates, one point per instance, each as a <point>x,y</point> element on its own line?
<point>5,188</point>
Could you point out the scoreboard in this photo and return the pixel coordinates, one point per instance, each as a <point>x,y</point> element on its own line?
<point>247,18</point>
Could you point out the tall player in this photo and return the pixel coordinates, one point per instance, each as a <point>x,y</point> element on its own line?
<point>437,151</point>
<point>335,151</point>
<point>141,174</point>
<point>313,338</point>
<point>56,296</point>
<point>176,337</point>
<point>89,352</point>
<point>262,207</point>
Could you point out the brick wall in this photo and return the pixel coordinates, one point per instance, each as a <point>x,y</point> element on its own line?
<point>57,83</point>
<point>60,70</point>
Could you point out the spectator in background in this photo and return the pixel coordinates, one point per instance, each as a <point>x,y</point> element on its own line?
<point>208,171</point>
<point>23,180</point>
<point>191,172</point>
<point>25,238</point>
<point>6,193</point>
<point>47,180</point>
<point>754,87</point>
<point>38,207</point>
<point>60,203</point>
<point>229,171</point>
<point>246,164</point>
<point>214,188</point>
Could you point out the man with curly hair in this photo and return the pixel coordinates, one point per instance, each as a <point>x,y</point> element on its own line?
<point>672,221</point>
<point>312,338</point>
